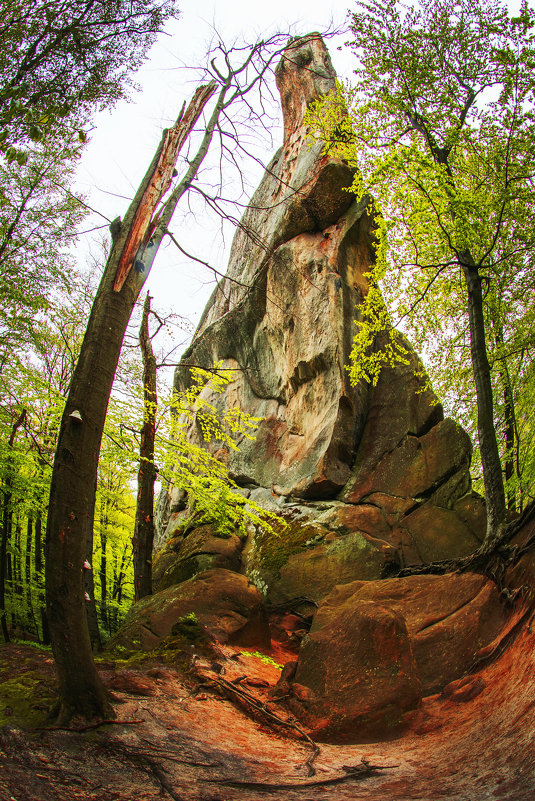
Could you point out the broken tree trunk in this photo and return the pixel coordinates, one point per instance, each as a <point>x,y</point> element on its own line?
<point>72,492</point>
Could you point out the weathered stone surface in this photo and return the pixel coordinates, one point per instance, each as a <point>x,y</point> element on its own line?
<point>436,534</point>
<point>449,618</point>
<point>200,550</point>
<point>416,466</point>
<point>400,405</point>
<point>320,548</point>
<point>226,603</point>
<point>333,543</point>
<point>356,677</point>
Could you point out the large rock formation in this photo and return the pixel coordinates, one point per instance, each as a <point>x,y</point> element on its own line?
<point>369,478</point>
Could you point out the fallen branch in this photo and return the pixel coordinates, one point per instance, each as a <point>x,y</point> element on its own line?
<point>354,772</point>
<point>235,692</point>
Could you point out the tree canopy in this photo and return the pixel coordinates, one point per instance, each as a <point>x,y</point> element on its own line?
<point>63,59</point>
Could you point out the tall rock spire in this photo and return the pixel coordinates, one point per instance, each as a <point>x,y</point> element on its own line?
<point>376,471</point>
<point>284,315</point>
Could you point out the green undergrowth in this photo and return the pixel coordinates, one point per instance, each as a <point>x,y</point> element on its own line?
<point>25,701</point>
<point>27,685</point>
<point>267,660</point>
<point>124,657</point>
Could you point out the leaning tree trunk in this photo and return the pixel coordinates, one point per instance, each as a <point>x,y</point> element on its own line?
<point>144,527</point>
<point>488,444</point>
<point>72,492</point>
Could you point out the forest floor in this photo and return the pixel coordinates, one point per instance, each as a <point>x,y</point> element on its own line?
<point>209,733</point>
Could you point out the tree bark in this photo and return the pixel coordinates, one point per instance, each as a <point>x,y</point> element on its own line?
<point>38,562</point>
<point>144,526</point>
<point>510,430</point>
<point>490,456</point>
<point>72,491</point>
<point>28,573</point>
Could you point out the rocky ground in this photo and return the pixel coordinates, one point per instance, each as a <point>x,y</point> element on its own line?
<point>202,726</point>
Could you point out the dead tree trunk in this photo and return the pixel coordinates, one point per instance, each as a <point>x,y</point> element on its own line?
<point>72,492</point>
<point>144,527</point>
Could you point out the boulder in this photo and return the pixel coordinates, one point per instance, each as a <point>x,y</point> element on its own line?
<point>330,543</point>
<point>229,607</point>
<point>199,550</point>
<point>356,676</point>
<point>449,618</point>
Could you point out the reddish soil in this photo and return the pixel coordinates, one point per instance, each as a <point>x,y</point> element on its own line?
<point>182,740</point>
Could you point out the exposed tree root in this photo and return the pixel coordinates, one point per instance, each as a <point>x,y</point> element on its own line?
<point>490,560</point>
<point>90,726</point>
<point>352,772</point>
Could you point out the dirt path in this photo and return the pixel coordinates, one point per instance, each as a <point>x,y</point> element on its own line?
<point>179,740</point>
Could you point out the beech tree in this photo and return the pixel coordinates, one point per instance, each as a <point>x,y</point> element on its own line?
<point>440,128</point>
<point>144,527</point>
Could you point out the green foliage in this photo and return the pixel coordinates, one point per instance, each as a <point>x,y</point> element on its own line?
<point>192,456</point>
<point>267,660</point>
<point>37,381</point>
<point>191,617</point>
<point>38,220</point>
<point>274,547</point>
<point>60,61</point>
<point>439,124</point>
<point>189,628</point>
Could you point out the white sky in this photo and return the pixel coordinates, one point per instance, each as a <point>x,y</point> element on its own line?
<point>123,141</point>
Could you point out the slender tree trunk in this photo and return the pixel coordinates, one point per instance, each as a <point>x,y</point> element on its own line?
<point>3,563</point>
<point>118,579</point>
<point>72,491</point>
<point>38,550</point>
<point>28,573</point>
<point>509,411</point>
<point>7,514</point>
<point>38,572</point>
<point>490,456</point>
<point>104,571</point>
<point>510,430</point>
<point>144,526</point>
<point>17,558</point>
<point>89,586</point>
